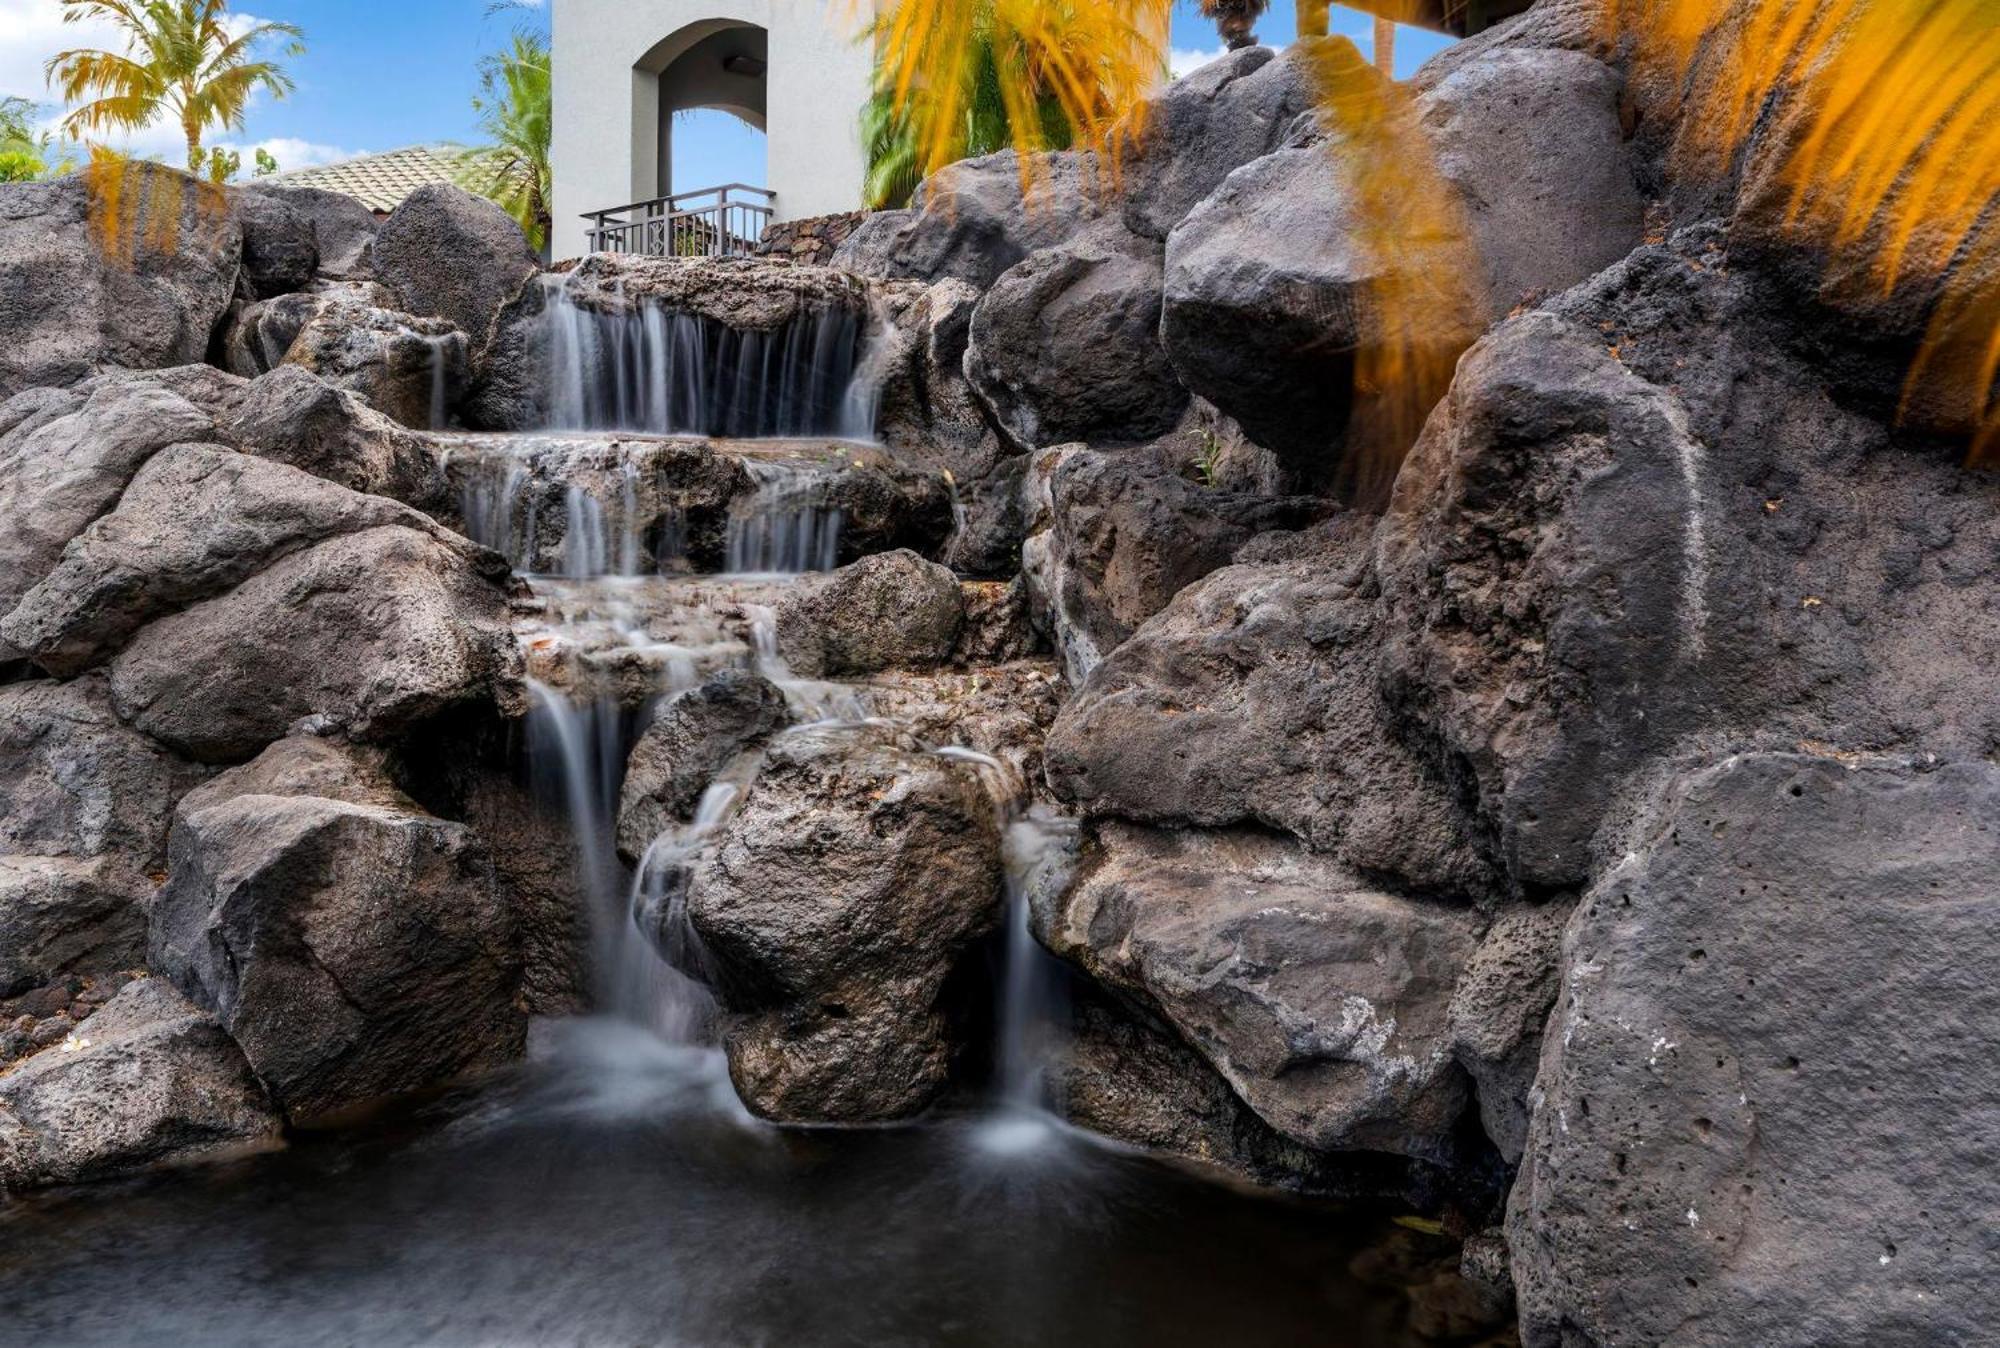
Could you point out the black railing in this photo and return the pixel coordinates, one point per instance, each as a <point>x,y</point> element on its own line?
<point>713,222</point>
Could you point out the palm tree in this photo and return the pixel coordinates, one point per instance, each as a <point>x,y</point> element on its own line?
<point>1234,19</point>
<point>1385,46</point>
<point>512,169</point>
<point>183,59</point>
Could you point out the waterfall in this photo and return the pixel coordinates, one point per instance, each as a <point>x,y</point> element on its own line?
<point>440,415</point>
<point>1037,851</point>
<point>649,370</point>
<point>786,527</point>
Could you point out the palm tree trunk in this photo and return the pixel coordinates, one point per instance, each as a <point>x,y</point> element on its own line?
<point>1385,46</point>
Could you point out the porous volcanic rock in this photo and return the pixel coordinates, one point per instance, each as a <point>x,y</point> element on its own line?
<point>152,1080</point>
<point>410,368</point>
<point>343,229</point>
<point>353,945</point>
<point>1766,1104</point>
<point>280,242</point>
<point>691,740</point>
<point>292,416</point>
<point>837,902</point>
<point>888,611</point>
<point>445,253</point>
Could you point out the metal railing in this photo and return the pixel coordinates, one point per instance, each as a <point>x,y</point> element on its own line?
<point>711,222</point>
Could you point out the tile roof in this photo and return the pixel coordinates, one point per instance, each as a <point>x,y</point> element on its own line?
<point>377,181</point>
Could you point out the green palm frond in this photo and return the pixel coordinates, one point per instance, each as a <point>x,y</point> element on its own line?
<point>512,169</point>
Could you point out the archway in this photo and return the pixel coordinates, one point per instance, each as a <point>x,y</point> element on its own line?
<point>714,66</point>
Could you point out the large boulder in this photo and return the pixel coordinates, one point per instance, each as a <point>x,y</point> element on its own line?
<point>259,336</point>
<point>410,368</point>
<point>292,416</point>
<point>1066,346</point>
<point>1271,286</point>
<point>1498,1014</point>
<point>1203,127</point>
<point>1644,522</point>
<point>856,874</point>
<point>694,737</point>
<point>448,254</point>
<point>1114,537</point>
<point>1533,142</point>
<point>280,243</point>
<point>972,220</point>
<point>370,632</point>
<point>149,1080</point>
<point>343,229</point>
<point>67,915</point>
<point>195,521</point>
<point>81,290</point>
<point>1323,1002</point>
<point>353,945</point>
<point>887,611</point>
<point>1253,698</point>
<point>66,459</point>
<point>1766,1109</point>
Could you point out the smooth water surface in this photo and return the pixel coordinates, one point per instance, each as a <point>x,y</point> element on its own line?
<point>616,1194</point>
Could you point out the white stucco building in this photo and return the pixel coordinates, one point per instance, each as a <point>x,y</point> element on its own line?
<point>622,68</point>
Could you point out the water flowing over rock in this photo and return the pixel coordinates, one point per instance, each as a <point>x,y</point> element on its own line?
<point>1766,1102</point>
<point>839,898</point>
<point>148,1080</point>
<point>373,632</point>
<point>445,253</point>
<point>354,946</point>
<point>891,610</point>
<point>1253,698</point>
<point>71,310</point>
<point>1323,1003</point>
<point>409,368</point>
<point>688,744</point>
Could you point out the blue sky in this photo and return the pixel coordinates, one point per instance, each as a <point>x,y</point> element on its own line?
<point>379,75</point>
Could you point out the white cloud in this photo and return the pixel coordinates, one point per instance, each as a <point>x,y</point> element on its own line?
<point>290,152</point>
<point>1180,60</point>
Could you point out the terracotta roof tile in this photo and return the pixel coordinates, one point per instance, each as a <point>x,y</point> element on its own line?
<point>377,181</point>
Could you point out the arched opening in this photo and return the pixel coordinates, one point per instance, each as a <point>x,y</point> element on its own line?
<point>712,80</point>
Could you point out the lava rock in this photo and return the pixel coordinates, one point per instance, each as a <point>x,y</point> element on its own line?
<point>1065,346</point>
<point>354,946</point>
<point>74,307</point>
<point>1253,698</point>
<point>1498,1013</point>
<point>832,911</point>
<point>195,521</point>
<point>63,915</point>
<point>888,611</point>
<point>413,369</point>
<point>1532,141</point>
<point>153,1081</point>
<point>692,739</point>
<point>371,632</point>
<point>343,229</point>
<point>448,254</point>
<point>1766,1099</point>
<point>1322,1002</point>
<point>280,243</point>
<point>292,416</point>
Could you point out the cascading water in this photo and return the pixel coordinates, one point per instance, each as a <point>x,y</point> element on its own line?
<point>786,527</point>
<point>642,368</point>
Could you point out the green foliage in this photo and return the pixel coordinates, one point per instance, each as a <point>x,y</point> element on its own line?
<point>267,164</point>
<point>25,153</point>
<point>19,166</point>
<point>1207,465</point>
<point>218,165</point>
<point>512,168</point>
<point>181,60</point>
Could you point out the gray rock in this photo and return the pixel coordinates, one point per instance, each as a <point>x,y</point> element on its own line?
<point>413,369</point>
<point>159,1083</point>
<point>1253,698</point>
<point>1065,346</point>
<point>195,521</point>
<point>66,461</point>
<point>292,416</point>
<point>260,336</point>
<point>1323,1003</point>
<point>1003,711</point>
<point>76,782</point>
<point>1594,557</point>
<point>68,308</point>
<point>971,222</point>
<point>888,611</point>
<point>280,242</point>
<point>1113,538</point>
<point>1203,127</point>
<point>1532,140</point>
<point>692,739</point>
<point>64,915</point>
<point>354,948</point>
<point>1269,290</point>
<point>343,229</point>
<point>1498,1013</point>
<point>448,254</point>
<point>839,897</point>
<point>373,632</point>
<point>1766,1102</point>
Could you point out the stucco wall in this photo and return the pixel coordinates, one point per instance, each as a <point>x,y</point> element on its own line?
<point>606,139</point>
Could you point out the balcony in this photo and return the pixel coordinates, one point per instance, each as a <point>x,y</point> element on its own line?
<point>712,222</point>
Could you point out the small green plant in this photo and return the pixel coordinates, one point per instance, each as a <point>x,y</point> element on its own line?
<point>1207,465</point>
